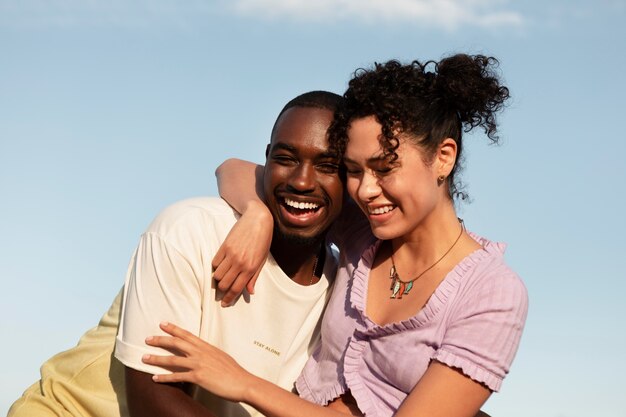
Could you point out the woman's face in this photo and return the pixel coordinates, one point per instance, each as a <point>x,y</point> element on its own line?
<point>397,197</point>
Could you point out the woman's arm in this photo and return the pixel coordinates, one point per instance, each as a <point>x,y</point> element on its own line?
<point>240,183</point>
<point>444,392</point>
<point>481,337</point>
<point>241,256</point>
<point>217,372</point>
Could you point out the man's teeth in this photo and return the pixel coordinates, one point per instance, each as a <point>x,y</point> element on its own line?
<point>380,210</point>
<point>301,205</point>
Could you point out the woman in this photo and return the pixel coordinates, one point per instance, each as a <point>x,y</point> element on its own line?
<point>425,317</point>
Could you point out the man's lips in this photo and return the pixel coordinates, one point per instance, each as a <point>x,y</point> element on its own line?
<point>300,212</point>
<point>301,205</point>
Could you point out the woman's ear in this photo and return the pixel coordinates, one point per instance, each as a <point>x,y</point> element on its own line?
<point>446,157</point>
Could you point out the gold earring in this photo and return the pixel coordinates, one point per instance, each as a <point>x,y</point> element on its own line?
<point>441,179</point>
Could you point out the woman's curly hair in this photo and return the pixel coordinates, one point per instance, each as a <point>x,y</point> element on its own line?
<point>428,102</point>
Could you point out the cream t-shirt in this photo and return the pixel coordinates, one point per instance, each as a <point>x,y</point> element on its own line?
<point>271,334</point>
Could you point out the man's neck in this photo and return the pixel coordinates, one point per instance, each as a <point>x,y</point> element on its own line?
<point>296,260</point>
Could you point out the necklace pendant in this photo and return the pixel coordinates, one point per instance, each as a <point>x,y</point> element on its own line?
<point>395,289</point>
<point>400,288</point>
<point>393,277</point>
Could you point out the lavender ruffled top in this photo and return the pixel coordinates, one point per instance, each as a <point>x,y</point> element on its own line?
<point>472,322</point>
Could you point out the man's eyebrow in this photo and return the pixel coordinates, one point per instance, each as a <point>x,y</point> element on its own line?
<point>283,146</point>
<point>293,149</point>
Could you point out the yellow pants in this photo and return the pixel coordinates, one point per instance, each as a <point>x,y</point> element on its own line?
<point>83,381</point>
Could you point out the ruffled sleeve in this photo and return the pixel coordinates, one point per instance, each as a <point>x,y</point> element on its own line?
<point>487,319</point>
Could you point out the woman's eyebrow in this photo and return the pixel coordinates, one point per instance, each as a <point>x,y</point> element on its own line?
<point>373,159</point>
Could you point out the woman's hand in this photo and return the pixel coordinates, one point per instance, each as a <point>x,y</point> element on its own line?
<point>239,260</point>
<point>199,363</point>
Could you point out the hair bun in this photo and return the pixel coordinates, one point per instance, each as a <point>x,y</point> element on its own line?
<point>469,85</point>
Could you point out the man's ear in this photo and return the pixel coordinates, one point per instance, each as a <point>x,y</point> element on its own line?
<point>267,150</point>
<point>446,156</point>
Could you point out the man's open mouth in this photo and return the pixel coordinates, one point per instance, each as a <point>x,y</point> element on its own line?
<point>301,213</point>
<point>300,207</point>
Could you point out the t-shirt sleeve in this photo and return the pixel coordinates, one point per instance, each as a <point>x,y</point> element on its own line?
<point>485,329</point>
<point>161,285</point>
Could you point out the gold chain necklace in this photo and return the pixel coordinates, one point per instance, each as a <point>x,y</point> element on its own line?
<point>398,286</point>
<point>321,254</point>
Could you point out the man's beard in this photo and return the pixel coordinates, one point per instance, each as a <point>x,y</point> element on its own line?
<point>296,239</point>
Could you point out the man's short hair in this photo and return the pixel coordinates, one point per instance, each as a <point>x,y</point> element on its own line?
<point>313,99</point>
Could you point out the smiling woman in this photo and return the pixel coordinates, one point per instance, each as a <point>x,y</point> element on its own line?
<point>460,320</point>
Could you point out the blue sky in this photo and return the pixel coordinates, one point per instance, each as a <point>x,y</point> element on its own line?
<point>110,111</point>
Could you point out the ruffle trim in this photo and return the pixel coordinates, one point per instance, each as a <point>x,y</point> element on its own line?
<point>352,362</point>
<point>358,295</point>
<point>469,369</point>
<point>322,397</point>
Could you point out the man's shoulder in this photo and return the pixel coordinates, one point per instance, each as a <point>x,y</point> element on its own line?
<point>205,204</point>
<point>193,213</point>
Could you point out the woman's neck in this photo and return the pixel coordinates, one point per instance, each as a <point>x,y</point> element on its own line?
<point>434,237</point>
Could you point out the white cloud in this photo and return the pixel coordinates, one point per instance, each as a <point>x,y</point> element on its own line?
<point>448,14</point>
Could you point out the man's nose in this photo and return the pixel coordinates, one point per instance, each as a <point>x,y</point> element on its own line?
<point>303,178</point>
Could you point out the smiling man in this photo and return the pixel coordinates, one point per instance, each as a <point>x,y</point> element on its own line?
<point>273,332</point>
<point>170,278</point>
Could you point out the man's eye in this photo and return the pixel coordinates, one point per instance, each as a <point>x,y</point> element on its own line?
<point>283,159</point>
<point>328,167</point>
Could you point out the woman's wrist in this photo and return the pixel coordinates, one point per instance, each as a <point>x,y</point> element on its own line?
<point>255,391</point>
<point>259,210</point>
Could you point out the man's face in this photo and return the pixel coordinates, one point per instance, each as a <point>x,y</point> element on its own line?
<point>301,181</point>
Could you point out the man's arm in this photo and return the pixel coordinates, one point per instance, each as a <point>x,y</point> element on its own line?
<point>146,398</point>
<point>166,280</point>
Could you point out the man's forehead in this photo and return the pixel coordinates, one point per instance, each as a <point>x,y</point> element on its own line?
<point>300,127</point>
<point>296,145</point>
<point>305,117</point>
<point>278,144</point>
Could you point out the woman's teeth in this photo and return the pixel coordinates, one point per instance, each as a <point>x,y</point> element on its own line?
<point>380,210</point>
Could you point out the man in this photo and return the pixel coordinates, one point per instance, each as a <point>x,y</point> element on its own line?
<point>170,278</point>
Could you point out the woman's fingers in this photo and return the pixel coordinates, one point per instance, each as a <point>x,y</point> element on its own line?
<point>220,270</point>
<point>181,340</point>
<point>170,362</point>
<point>229,278</point>
<point>252,283</point>
<point>175,345</point>
<point>179,332</point>
<point>242,254</point>
<point>199,362</point>
<point>173,377</point>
